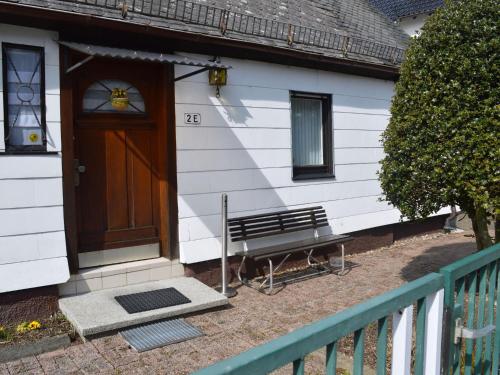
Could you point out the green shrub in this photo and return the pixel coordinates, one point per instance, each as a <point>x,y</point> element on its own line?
<point>442,144</point>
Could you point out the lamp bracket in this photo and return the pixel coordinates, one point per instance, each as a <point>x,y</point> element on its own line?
<point>78,64</point>
<point>191,74</point>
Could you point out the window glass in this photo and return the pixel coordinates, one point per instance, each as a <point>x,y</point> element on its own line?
<point>24,97</point>
<point>307,132</point>
<point>112,96</point>
<point>312,140</point>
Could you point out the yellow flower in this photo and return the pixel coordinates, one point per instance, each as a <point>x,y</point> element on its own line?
<point>22,327</point>
<point>34,325</point>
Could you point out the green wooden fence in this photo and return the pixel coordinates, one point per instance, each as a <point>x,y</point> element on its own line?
<point>294,347</point>
<point>472,293</point>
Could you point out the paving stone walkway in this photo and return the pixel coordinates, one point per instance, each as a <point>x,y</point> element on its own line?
<point>254,318</point>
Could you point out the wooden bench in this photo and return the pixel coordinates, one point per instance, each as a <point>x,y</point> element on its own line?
<point>275,223</point>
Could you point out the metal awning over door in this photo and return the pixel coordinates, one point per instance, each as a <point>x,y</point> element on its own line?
<point>129,54</point>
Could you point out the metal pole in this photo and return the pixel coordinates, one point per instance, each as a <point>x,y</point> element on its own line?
<point>225,289</point>
<point>224,243</point>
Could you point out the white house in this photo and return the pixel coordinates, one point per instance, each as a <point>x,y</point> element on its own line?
<point>112,153</point>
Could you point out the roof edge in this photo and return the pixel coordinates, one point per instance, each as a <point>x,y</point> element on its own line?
<point>59,20</point>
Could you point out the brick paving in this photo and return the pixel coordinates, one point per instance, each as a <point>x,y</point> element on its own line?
<point>254,318</point>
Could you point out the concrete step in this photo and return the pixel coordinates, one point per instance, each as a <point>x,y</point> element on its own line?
<point>98,312</point>
<point>121,274</point>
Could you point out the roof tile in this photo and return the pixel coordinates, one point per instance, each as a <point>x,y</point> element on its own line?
<point>369,35</point>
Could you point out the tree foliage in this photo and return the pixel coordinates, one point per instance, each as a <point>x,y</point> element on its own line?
<point>442,144</point>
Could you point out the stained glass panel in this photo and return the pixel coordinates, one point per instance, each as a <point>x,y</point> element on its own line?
<point>111,96</point>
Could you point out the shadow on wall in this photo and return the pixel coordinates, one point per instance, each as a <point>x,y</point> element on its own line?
<point>227,157</point>
<point>243,148</point>
<point>434,258</point>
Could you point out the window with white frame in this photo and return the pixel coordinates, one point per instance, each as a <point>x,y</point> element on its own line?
<point>312,146</point>
<point>24,98</point>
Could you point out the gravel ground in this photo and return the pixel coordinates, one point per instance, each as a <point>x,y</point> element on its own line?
<point>254,318</point>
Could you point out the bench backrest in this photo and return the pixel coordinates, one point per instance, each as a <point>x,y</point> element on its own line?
<point>273,223</point>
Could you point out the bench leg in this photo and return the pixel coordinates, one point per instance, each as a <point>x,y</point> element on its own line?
<point>309,257</point>
<point>270,275</point>
<point>343,257</point>
<point>311,261</point>
<point>272,270</point>
<point>239,270</point>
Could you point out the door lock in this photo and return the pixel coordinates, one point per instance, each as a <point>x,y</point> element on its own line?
<point>469,333</point>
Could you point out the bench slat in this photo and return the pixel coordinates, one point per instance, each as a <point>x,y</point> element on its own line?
<point>254,236</point>
<point>251,222</point>
<point>274,223</point>
<point>284,223</point>
<point>308,209</point>
<point>296,246</point>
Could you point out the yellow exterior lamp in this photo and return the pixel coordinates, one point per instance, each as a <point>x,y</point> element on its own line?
<point>217,77</point>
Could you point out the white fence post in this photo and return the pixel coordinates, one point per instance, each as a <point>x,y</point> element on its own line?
<point>401,341</point>
<point>433,332</point>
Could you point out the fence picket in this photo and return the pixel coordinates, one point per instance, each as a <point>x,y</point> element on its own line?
<point>492,280</point>
<point>401,341</point>
<point>483,274</point>
<point>460,301</point>
<point>471,309</point>
<point>382,346</point>
<point>420,337</point>
<point>496,351</point>
<point>434,306</point>
<point>359,351</point>
<point>298,366</point>
<point>331,359</point>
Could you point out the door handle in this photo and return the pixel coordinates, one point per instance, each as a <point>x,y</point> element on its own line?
<point>469,333</point>
<point>78,169</point>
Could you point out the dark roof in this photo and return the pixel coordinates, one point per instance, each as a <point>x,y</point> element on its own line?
<point>349,29</point>
<point>395,9</point>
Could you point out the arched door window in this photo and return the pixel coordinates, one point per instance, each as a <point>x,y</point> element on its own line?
<point>113,96</point>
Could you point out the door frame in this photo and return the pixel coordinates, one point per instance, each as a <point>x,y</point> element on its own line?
<point>168,227</point>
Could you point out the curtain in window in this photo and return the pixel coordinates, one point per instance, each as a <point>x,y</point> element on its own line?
<point>307,132</point>
<point>24,96</point>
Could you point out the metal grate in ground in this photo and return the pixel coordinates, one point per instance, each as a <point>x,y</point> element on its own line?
<point>156,335</point>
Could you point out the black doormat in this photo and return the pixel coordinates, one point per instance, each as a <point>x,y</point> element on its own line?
<point>154,299</point>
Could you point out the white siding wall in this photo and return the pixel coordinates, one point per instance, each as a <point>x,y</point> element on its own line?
<point>32,241</point>
<point>243,147</point>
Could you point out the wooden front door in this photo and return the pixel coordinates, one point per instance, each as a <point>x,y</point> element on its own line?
<point>117,164</point>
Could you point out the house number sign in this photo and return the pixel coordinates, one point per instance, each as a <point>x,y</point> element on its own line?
<point>192,118</point>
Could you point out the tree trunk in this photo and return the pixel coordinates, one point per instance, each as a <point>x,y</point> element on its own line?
<point>479,218</point>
